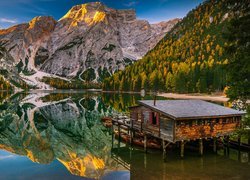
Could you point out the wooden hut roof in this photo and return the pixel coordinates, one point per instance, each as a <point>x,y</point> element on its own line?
<point>190,109</point>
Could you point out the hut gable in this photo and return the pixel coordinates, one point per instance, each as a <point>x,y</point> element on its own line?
<point>190,109</point>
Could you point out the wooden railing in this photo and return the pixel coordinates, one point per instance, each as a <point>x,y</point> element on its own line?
<point>147,128</point>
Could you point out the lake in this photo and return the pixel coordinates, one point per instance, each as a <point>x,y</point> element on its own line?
<point>59,135</point>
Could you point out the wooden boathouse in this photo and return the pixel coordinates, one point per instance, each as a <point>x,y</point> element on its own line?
<point>179,121</point>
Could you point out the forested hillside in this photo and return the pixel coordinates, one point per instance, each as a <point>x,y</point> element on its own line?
<point>190,58</point>
<point>4,85</point>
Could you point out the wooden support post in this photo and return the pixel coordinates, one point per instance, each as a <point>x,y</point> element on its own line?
<point>145,143</point>
<point>119,135</point>
<point>215,144</point>
<point>163,146</point>
<point>112,137</point>
<point>131,136</point>
<point>145,160</point>
<point>239,141</point>
<point>159,128</point>
<point>228,146</point>
<point>164,149</point>
<point>239,155</point>
<point>131,131</point>
<point>130,154</point>
<point>182,149</point>
<point>201,147</point>
<point>177,144</point>
<point>224,145</point>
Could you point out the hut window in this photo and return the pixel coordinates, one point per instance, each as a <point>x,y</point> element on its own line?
<point>146,116</point>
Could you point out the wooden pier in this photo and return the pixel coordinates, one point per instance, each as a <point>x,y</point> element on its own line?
<point>176,122</point>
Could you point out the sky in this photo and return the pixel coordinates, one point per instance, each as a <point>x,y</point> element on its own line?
<point>20,11</point>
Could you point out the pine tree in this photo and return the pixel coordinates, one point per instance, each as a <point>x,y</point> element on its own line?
<point>238,66</point>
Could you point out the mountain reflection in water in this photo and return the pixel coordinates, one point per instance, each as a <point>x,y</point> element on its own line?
<point>55,129</point>
<point>66,127</point>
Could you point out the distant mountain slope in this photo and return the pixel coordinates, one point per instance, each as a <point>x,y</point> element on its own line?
<point>190,58</point>
<point>89,43</point>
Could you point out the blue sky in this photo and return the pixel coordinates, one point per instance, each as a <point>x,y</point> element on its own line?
<point>18,11</point>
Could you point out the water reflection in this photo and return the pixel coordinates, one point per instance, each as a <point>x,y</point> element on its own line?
<point>65,128</point>
<point>45,127</point>
<point>209,166</point>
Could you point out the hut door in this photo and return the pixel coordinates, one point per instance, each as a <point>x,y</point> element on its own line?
<point>154,118</point>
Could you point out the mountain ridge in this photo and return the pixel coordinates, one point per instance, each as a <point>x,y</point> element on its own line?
<point>96,39</point>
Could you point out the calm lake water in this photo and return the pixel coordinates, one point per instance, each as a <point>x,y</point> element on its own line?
<point>59,135</point>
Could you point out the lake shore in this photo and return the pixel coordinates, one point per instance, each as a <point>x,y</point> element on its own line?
<point>215,97</point>
<point>219,97</point>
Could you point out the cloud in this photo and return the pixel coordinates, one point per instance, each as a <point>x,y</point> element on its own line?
<point>6,20</point>
<point>131,3</point>
<point>6,157</point>
<point>34,9</point>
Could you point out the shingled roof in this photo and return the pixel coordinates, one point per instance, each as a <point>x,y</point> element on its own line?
<point>190,109</point>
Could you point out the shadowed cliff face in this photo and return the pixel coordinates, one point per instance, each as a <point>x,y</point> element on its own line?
<point>8,70</point>
<point>68,130</point>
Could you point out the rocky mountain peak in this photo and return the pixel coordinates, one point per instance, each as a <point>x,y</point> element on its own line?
<point>88,14</point>
<point>45,23</point>
<point>95,12</point>
<point>16,28</point>
<point>39,28</point>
